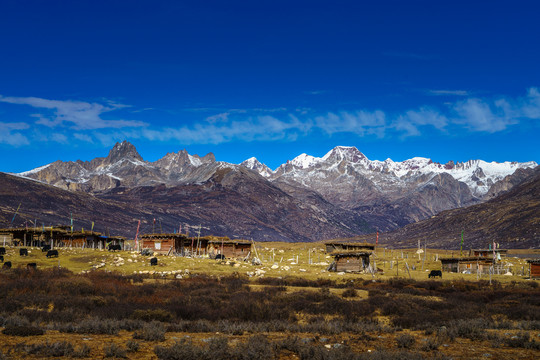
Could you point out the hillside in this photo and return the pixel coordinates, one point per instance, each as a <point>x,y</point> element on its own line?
<point>234,202</point>
<point>512,219</point>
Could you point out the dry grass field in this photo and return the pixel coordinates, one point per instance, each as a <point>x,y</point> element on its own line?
<point>98,304</point>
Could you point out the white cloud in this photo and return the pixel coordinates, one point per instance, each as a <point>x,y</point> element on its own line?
<point>81,115</point>
<point>359,122</point>
<point>473,114</point>
<point>10,136</point>
<point>493,116</point>
<point>83,137</point>
<point>449,92</point>
<point>412,120</point>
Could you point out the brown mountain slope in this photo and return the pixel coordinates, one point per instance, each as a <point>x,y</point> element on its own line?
<point>512,220</point>
<point>235,202</point>
<point>50,205</point>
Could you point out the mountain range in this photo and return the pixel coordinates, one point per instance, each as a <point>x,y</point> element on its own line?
<point>342,194</point>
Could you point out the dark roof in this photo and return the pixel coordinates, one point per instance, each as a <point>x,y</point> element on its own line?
<point>229,241</point>
<point>496,250</point>
<point>163,236</point>
<point>352,254</point>
<point>348,243</point>
<point>534,261</point>
<point>469,258</point>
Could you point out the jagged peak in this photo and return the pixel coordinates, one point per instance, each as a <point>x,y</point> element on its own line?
<point>349,153</point>
<point>251,163</point>
<point>123,150</point>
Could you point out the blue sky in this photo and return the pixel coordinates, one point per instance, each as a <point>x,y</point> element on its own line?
<point>448,80</point>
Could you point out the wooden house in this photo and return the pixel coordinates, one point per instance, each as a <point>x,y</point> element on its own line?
<point>351,261</point>
<point>488,252</point>
<point>469,265</point>
<point>534,268</point>
<point>228,248</point>
<point>56,236</point>
<point>165,243</point>
<point>340,246</point>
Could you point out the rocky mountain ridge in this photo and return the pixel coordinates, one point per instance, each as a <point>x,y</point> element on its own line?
<point>387,194</point>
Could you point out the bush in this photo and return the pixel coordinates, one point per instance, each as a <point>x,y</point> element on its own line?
<point>115,351</point>
<point>349,293</point>
<point>47,349</point>
<point>15,330</point>
<point>82,352</point>
<point>132,346</point>
<point>522,340</point>
<point>153,314</point>
<point>405,341</point>
<point>430,344</point>
<point>180,350</point>
<point>153,331</point>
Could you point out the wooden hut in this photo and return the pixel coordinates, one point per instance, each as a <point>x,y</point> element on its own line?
<point>469,265</point>
<point>164,243</point>
<point>351,261</point>
<point>534,268</point>
<point>488,252</point>
<point>228,248</point>
<point>340,246</point>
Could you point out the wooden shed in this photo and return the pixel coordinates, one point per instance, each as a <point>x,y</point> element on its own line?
<point>468,265</point>
<point>340,246</point>
<point>351,261</point>
<point>229,248</point>
<point>488,252</point>
<point>165,243</point>
<point>534,268</point>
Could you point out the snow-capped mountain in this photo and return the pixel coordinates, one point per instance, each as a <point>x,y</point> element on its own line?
<point>403,192</point>
<point>389,194</point>
<point>344,161</point>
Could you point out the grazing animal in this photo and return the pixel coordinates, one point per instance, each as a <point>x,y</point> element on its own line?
<point>220,257</point>
<point>435,273</point>
<point>114,247</point>
<point>31,266</point>
<point>146,252</point>
<point>1,258</point>
<point>7,265</point>
<point>45,248</point>
<point>153,261</point>
<point>2,251</point>
<point>52,253</point>
<point>23,252</point>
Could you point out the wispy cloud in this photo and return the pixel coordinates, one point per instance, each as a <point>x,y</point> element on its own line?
<point>484,115</point>
<point>448,92</point>
<point>10,135</point>
<point>80,115</point>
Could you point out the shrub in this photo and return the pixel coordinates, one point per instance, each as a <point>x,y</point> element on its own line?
<point>350,293</point>
<point>47,349</point>
<point>180,350</point>
<point>132,346</point>
<point>115,351</point>
<point>430,344</point>
<point>153,331</point>
<point>405,341</point>
<point>22,330</point>
<point>152,314</point>
<point>81,352</point>
<point>522,340</point>
<point>257,347</point>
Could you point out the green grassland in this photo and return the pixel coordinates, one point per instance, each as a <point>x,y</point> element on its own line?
<point>305,260</point>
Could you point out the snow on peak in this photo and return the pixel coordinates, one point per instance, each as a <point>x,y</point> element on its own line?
<point>195,161</point>
<point>305,161</point>
<point>349,153</point>
<point>33,171</point>
<point>251,163</point>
